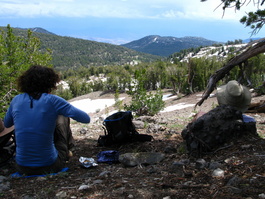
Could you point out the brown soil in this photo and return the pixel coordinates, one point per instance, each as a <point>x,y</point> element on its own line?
<point>242,161</point>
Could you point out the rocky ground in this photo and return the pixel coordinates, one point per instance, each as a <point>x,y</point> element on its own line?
<point>235,171</point>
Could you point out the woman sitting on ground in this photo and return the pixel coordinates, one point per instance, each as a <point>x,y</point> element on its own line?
<point>42,123</point>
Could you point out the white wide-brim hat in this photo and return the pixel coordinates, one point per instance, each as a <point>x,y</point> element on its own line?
<point>234,94</point>
<point>4,130</point>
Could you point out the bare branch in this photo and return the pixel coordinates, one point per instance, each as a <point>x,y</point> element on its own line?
<point>252,49</point>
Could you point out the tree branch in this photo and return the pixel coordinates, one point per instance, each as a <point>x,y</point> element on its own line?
<point>252,49</point>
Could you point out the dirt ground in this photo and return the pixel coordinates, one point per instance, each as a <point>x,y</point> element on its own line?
<point>242,163</point>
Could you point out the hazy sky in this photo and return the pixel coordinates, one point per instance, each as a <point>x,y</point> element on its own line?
<point>122,21</point>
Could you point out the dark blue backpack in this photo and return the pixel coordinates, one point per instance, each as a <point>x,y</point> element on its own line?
<point>119,129</point>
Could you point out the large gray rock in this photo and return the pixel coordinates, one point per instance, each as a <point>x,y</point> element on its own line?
<point>138,124</point>
<point>214,129</point>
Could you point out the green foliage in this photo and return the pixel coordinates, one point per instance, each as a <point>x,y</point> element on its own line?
<point>118,78</point>
<point>182,77</point>
<point>251,73</point>
<point>70,52</point>
<point>118,102</point>
<point>63,92</point>
<point>176,75</point>
<point>143,102</point>
<point>255,19</point>
<point>236,41</point>
<point>199,71</point>
<point>17,54</point>
<point>79,87</point>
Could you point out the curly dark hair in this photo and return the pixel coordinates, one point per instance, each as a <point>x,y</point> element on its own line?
<point>38,79</point>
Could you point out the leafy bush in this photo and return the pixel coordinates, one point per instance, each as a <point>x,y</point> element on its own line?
<point>144,103</point>
<point>64,93</point>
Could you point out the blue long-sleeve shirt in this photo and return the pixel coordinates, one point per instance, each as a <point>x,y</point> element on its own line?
<point>35,122</point>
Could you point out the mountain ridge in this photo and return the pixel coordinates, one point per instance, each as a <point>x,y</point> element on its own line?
<point>167,45</point>
<point>74,52</point>
<point>38,30</point>
<point>70,52</point>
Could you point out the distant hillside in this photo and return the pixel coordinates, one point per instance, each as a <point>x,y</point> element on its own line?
<point>219,52</point>
<point>41,30</point>
<point>250,40</point>
<point>37,29</point>
<point>71,52</point>
<point>165,46</point>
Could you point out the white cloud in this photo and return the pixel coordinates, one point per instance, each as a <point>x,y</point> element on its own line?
<point>173,14</point>
<point>192,9</point>
<point>209,10</point>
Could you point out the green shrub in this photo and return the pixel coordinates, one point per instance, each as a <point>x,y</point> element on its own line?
<point>144,103</point>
